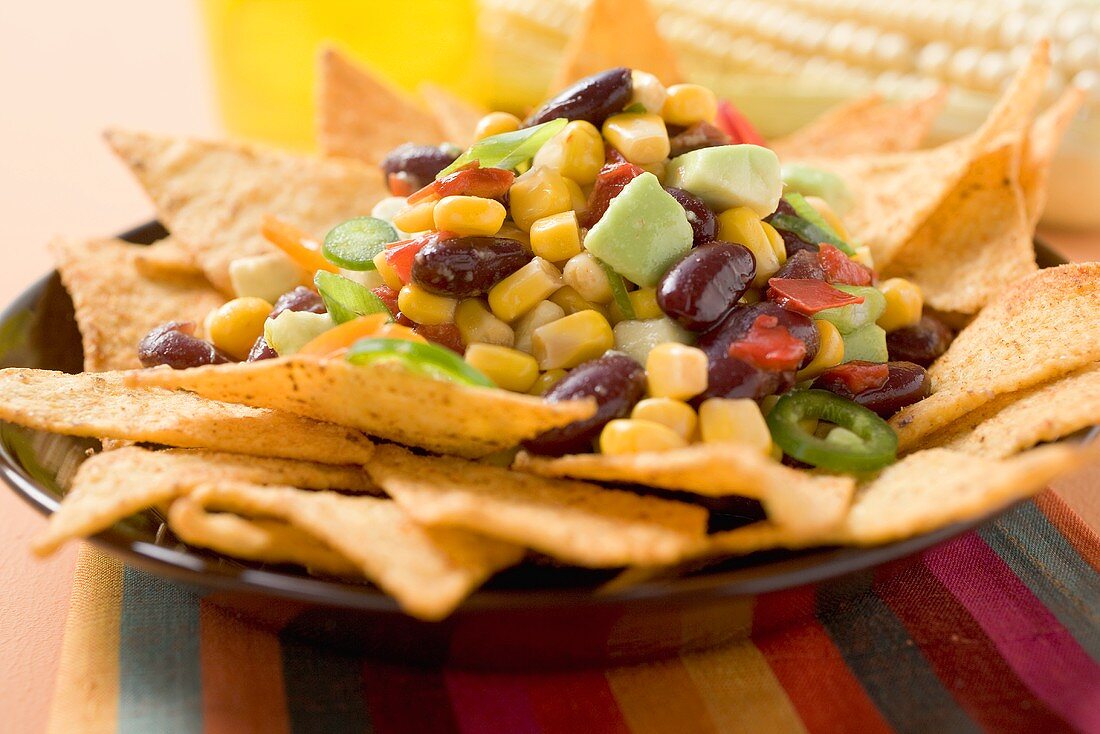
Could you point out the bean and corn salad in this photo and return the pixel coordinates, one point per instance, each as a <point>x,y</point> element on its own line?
<point>626,242</point>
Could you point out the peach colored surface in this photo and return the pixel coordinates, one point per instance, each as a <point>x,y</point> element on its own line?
<point>68,70</point>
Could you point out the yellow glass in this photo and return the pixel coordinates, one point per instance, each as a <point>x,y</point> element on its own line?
<point>264,53</point>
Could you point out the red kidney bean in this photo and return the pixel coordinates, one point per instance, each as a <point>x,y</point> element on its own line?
<point>906,383</point>
<point>802,265</point>
<point>701,289</point>
<point>594,99</point>
<point>704,225</point>
<point>261,350</point>
<point>445,335</point>
<point>176,345</point>
<point>698,136</point>
<point>415,164</point>
<point>299,299</point>
<point>463,267</point>
<point>615,380</point>
<point>730,377</point>
<point>921,344</point>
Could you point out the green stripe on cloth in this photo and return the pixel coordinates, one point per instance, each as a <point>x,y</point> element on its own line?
<point>160,683</point>
<point>324,688</point>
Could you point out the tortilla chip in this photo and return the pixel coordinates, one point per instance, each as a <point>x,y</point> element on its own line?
<point>1019,420</point>
<point>167,259</point>
<point>268,541</point>
<point>1042,145</point>
<point>111,486</point>
<point>617,33</point>
<point>116,304</point>
<point>976,243</point>
<point>791,498</point>
<point>429,571</point>
<point>574,522</point>
<point>382,399</point>
<point>456,117</point>
<point>361,116</point>
<point>99,405</point>
<point>213,196</point>
<point>1037,330</point>
<point>864,126</point>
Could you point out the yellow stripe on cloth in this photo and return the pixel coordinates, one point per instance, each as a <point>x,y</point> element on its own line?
<point>660,697</point>
<point>85,697</point>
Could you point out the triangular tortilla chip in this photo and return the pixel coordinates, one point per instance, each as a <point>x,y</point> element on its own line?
<point>617,33</point>
<point>167,259</point>
<point>99,405</point>
<point>1037,330</point>
<point>791,498</point>
<point>456,117</point>
<point>361,116</point>
<point>575,522</point>
<point>976,243</point>
<point>429,571</point>
<point>382,399</point>
<point>213,196</point>
<point>864,126</point>
<point>116,304</point>
<point>111,486</point>
<point>1042,144</point>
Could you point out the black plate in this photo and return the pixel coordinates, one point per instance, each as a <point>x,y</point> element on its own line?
<point>540,616</point>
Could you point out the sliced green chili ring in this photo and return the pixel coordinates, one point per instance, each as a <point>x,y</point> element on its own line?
<point>618,290</point>
<point>430,360</point>
<point>354,244</point>
<point>878,445</point>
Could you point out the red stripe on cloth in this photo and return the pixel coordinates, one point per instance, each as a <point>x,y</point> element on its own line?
<point>242,681</point>
<point>823,690</point>
<point>485,703</point>
<point>579,701</point>
<point>404,700</point>
<point>1041,651</point>
<point>1084,539</point>
<point>961,654</point>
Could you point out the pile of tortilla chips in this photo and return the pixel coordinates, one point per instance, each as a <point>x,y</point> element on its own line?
<point>280,461</point>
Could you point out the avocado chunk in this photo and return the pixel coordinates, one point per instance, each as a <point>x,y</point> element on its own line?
<point>867,344</point>
<point>811,181</point>
<point>855,315</point>
<point>637,337</point>
<point>643,233</point>
<point>291,330</point>
<point>727,176</point>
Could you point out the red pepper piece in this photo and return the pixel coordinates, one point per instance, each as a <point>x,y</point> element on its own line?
<point>400,254</point>
<point>839,268</point>
<point>398,185</point>
<point>470,180</point>
<point>808,296</point>
<point>769,346</point>
<point>736,125</point>
<point>387,295</point>
<point>858,376</point>
<point>445,335</point>
<point>611,181</point>
<point>612,157</point>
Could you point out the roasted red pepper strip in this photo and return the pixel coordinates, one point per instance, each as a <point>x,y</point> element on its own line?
<point>387,295</point>
<point>839,268</point>
<point>808,296</point>
<point>470,180</point>
<point>612,180</point>
<point>399,185</point>
<point>737,126</point>
<point>769,346</point>
<point>858,376</point>
<point>400,254</point>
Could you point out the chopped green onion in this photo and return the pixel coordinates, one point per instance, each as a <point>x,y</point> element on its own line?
<point>877,443</point>
<point>821,229</point>
<point>345,299</point>
<point>355,243</point>
<point>429,360</point>
<point>618,290</point>
<point>507,150</point>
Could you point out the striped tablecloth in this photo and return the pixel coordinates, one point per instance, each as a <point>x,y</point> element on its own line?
<point>998,630</point>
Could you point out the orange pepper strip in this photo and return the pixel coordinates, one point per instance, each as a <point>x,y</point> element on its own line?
<point>397,331</point>
<point>296,243</point>
<point>344,335</point>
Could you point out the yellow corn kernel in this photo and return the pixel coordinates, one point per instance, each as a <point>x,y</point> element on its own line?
<point>829,354</point>
<point>743,226</point>
<point>546,381</point>
<point>644,301</point>
<point>658,169</point>
<point>640,137</point>
<point>389,275</point>
<point>536,194</point>
<point>576,152</point>
<point>863,256</point>
<point>904,304</point>
<point>569,341</point>
<point>687,104</point>
<point>676,371</point>
<point>478,325</point>
<point>416,218</point>
<point>496,123</point>
<point>469,215</point>
<point>540,315</point>
<point>557,237</point>
<point>587,277</point>
<point>510,231</point>
<point>235,326</point>
<point>571,301</point>
<point>647,91</point>
<point>426,308</point>
<point>734,421</point>
<point>776,241</point>
<point>522,290</point>
<point>507,368</point>
<point>676,414</point>
<point>576,195</point>
<point>630,436</point>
